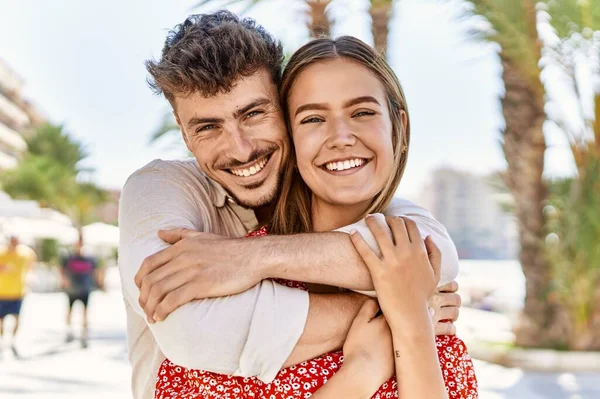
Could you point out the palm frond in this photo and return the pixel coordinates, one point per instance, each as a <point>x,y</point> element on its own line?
<point>574,16</point>
<point>167,127</point>
<point>512,26</point>
<point>229,3</point>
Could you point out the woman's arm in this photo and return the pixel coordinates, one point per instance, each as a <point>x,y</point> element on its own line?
<point>417,366</point>
<point>346,383</point>
<point>404,277</point>
<point>368,361</point>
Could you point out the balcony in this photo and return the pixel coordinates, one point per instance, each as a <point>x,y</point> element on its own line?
<point>12,139</point>
<point>7,161</point>
<point>9,111</point>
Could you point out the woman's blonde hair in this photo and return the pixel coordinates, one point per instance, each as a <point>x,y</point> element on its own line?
<point>293,211</point>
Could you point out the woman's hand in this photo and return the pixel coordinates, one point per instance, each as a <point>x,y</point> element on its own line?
<point>407,273</point>
<point>368,348</point>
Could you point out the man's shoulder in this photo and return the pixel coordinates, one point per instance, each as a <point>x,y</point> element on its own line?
<point>401,206</point>
<point>176,173</point>
<point>187,168</point>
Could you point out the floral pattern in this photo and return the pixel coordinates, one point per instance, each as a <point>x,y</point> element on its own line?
<point>302,380</point>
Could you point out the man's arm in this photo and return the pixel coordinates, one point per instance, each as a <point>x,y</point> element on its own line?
<point>330,258</point>
<point>253,333</point>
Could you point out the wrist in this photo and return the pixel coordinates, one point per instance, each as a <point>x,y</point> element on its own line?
<point>414,325</point>
<point>257,258</point>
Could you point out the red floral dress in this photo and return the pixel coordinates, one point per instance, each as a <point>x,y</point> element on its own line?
<point>304,379</point>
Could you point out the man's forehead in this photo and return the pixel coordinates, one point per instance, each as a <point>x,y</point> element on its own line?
<point>226,104</point>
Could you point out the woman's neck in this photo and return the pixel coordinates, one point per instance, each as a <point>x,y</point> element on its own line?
<point>327,217</point>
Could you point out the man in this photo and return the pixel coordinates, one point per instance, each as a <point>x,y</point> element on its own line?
<point>79,273</point>
<point>220,75</point>
<point>15,262</point>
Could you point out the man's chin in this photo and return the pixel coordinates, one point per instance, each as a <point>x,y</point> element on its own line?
<point>256,199</point>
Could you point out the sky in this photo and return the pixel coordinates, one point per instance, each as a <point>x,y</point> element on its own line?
<point>83,65</point>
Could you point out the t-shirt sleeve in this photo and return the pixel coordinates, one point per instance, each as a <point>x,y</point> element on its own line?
<point>427,225</point>
<point>248,334</point>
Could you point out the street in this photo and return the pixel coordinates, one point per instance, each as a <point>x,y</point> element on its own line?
<point>50,368</point>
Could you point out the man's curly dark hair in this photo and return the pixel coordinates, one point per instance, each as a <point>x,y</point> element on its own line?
<point>209,53</point>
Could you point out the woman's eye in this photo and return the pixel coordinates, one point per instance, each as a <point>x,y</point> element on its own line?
<point>312,119</point>
<point>363,113</point>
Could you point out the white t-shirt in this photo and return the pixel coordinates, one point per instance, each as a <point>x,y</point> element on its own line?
<point>248,334</point>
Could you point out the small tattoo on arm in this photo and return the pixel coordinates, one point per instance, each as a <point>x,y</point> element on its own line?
<point>397,353</point>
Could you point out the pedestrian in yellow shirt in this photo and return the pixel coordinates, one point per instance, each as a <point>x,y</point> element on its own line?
<point>15,261</point>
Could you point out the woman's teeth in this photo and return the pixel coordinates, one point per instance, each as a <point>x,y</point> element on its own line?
<point>252,170</point>
<point>343,165</point>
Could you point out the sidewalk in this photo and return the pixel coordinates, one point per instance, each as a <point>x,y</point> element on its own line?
<point>51,369</point>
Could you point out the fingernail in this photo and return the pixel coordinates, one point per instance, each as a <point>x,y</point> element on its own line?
<point>353,231</point>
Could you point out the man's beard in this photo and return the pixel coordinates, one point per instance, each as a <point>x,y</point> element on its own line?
<point>265,200</point>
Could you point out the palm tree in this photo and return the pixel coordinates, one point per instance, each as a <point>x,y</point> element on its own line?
<point>49,173</point>
<point>576,256</point>
<point>381,12</point>
<point>577,23</point>
<point>513,26</point>
<point>319,24</point>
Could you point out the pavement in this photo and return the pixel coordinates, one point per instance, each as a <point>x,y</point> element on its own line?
<point>48,367</point>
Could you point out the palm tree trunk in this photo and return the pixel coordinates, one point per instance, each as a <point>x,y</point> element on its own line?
<point>381,13</point>
<point>524,146</point>
<point>319,24</point>
<point>597,122</point>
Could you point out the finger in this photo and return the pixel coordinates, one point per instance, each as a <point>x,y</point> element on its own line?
<point>174,299</point>
<point>156,277</point>
<point>381,234</point>
<point>413,231</point>
<point>449,299</point>
<point>452,286</point>
<point>163,288</point>
<point>444,329</point>
<point>153,262</point>
<point>174,235</point>
<point>398,230</point>
<point>364,250</point>
<point>435,257</point>
<point>367,311</point>
<point>448,313</point>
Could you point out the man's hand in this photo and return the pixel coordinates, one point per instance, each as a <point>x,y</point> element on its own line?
<point>445,303</point>
<point>196,266</point>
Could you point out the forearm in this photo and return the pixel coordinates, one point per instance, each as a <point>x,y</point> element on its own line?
<point>323,258</point>
<point>417,367</point>
<point>346,383</point>
<point>329,319</point>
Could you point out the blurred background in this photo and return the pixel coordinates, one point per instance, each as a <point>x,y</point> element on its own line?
<point>504,97</point>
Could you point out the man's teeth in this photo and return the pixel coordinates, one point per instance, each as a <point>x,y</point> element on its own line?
<point>343,165</point>
<point>252,170</point>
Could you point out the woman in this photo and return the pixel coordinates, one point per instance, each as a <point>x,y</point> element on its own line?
<point>350,130</point>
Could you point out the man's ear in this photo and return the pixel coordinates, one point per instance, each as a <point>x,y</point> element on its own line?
<point>182,130</point>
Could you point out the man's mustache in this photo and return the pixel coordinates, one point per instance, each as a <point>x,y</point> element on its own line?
<point>255,155</point>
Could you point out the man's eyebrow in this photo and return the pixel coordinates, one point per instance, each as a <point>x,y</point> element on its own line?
<point>311,107</point>
<point>359,100</point>
<point>199,120</point>
<point>255,103</point>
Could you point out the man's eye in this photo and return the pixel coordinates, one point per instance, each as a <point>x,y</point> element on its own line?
<point>363,113</point>
<point>206,128</point>
<point>312,119</point>
<point>253,114</point>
